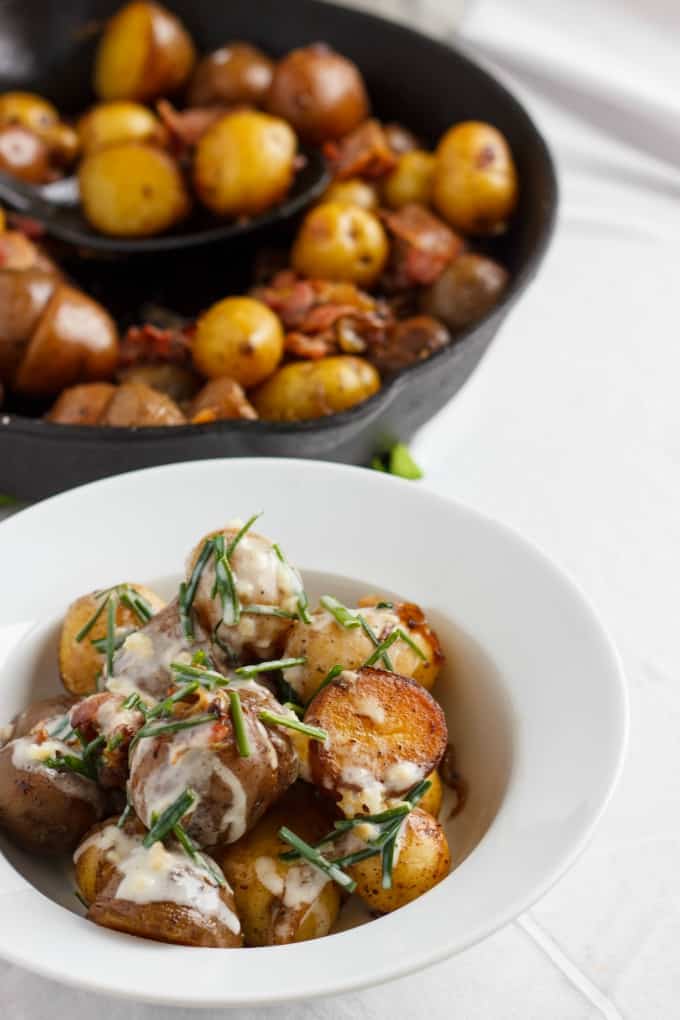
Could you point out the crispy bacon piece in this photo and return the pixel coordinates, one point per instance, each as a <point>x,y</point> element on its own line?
<point>103,715</point>
<point>187,127</point>
<point>424,245</point>
<point>364,152</point>
<point>148,344</point>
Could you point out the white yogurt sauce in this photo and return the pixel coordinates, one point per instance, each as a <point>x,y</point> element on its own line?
<point>30,756</point>
<point>370,708</point>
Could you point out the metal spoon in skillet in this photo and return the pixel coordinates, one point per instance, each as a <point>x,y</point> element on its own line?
<point>56,206</point>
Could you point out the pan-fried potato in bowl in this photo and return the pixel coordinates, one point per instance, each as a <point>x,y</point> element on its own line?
<point>247,797</point>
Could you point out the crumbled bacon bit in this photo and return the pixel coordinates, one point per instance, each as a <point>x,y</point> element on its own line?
<point>424,245</point>
<point>187,127</point>
<point>149,344</point>
<point>364,152</point>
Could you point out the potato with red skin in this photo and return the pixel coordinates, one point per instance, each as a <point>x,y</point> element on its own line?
<point>465,291</point>
<point>144,52</point>
<point>235,74</point>
<point>385,734</point>
<point>75,340</point>
<point>475,186</point>
<point>321,93</point>
<point>84,404</point>
<point>244,163</point>
<point>43,810</point>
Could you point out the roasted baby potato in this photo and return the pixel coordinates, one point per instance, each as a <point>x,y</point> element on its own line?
<point>39,712</point>
<point>325,642</point>
<point>119,121</point>
<point>466,291</point>
<point>81,405</point>
<point>44,810</point>
<point>79,661</point>
<point>136,405</point>
<point>233,791</point>
<point>340,242</point>
<point>411,180</point>
<point>475,185</point>
<point>145,52</point>
<point>244,163</point>
<point>132,189</point>
<point>235,74</point>
<point>422,859</point>
<point>28,280</point>
<point>238,337</point>
<point>353,191</point>
<point>29,110</point>
<point>24,155</point>
<point>280,902</point>
<point>319,92</point>
<point>178,382</point>
<point>385,734</point>
<point>161,893</point>
<point>75,340</point>
<point>312,389</point>
<point>432,800</point>
<point>100,850</point>
<point>261,579</point>
<point>220,399</point>
<point>63,144</point>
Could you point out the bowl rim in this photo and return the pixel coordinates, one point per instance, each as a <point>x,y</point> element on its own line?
<point>391,387</point>
<point>378,486</point>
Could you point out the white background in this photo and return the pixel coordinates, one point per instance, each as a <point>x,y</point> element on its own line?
<point>570,431</point>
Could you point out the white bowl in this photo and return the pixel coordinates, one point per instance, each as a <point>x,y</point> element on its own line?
<point>533,692</point>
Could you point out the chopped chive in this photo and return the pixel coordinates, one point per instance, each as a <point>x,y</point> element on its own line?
<point>239,723</point>
<point>101,644</point>
<point>402,464</point>
<point>165,707</point>
<point>418,792</point>
<point>266,667</point>
<point>83,902</point>
<point>209,678</point>
<point>115,741</point>
<point>173,814</point>
<point>294,724</point>
<point>93,746</point>
<point>381,648</point>
<point>225,584</point>
<point>331,675</point>
<point>277,549</point>
<point>388,858</point>
<point>84,631</point>
<point>223,645</point>
<point>187,592</point>
<point>302,600</point>
<point>344,616</point>
<point>384,605</point>
<point>317,860</point>
<point>136,603</point>
<point>172,727</point>
<point>127,810</point>
<point>383,816</point>
<point>407,639</point>
<point>63,726</point>
<point>293,707</point>
<point>256,610</point>
<point>70,763</point>
<point>134,701</point>
<point>377,463</point>
<point>368,630</point>
<point>192,851</point>
<point>239,535</point>
<point>358,855</point>
<point>111,608</point>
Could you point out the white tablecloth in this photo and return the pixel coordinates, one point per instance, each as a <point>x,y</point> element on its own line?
<point>570,431</point>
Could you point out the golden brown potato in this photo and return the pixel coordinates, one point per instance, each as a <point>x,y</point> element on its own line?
<point>220,399</point>
<point>179,382</point>
<point>353,191</point>
<point>475,183</point>
<point>132,190</point>
<point>145,52</point>
<point>321,93</point>
<point>312,389</point>
<point>466,290</point>
<point>116,122</point>
<point>24,155</point>
<point>75,340</point>
<point>29,110</point>
<point>385,734</point>
<point>238,337</point>
<point>235,74</point>
<point>432,801</point>
<point>79,661</point>
<point>39,712</point>
<point>411,180</point>
<point>340,242</point>
<point>185,906</point>
<point>326,643</point>
<point>280,902</point>
<point>136,405</point>
<point>422,859</point>
<point>41,809</point>
<point>100,850</point>
<point>244,163</point>
<point>27,282</point>
<point>81,405</point>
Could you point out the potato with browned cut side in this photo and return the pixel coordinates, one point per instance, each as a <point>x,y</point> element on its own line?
<point>135,405</point>
<point>80,662</point>
<point>385,734</point>
<point>101,849</point>
<point>280,902</point>
<point>422,859</point>
<point>144,52</point>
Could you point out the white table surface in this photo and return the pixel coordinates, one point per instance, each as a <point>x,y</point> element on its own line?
<point>570,431</point>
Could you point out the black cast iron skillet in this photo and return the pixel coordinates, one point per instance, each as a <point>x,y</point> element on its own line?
<point>411,78</point>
